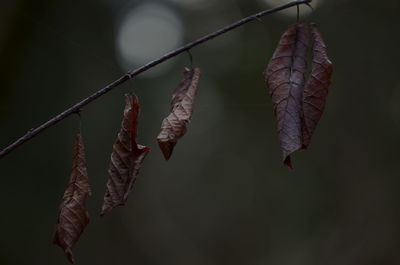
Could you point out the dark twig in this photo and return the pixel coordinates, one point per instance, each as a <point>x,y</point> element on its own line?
<point>298,14</point>
<point>131,74</point>
<point>190,58</point>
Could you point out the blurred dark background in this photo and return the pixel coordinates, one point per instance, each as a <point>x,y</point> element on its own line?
<point>224,197</point>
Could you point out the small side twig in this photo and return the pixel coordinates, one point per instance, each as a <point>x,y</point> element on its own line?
<point>131,74</point>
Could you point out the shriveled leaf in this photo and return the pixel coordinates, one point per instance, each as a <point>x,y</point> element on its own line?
<point>174,126</point>
<point>316,88</point>
<point>285,78</point>
<point>126,158</point>
<point>73,216</point>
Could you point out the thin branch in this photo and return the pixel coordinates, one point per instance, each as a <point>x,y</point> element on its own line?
<point>131,74</point>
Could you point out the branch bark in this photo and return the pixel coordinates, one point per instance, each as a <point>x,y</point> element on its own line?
<point>131,74</point>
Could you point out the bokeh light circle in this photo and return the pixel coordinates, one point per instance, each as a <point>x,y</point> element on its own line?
<point>194,4</point>
<point>147,32</point>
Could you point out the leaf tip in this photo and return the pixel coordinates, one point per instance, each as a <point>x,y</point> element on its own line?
<point>108,204</point>
<point>288,162</point>
<point>104,210</point>
<point>67,250</point>
<point>107,207</point>
<point>69,255</point>
<point>167,148</point>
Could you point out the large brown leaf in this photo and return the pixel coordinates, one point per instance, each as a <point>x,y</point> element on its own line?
<point>174,126</point>
<point>73,216</point>
<point>316,88</point>
<point>126,158</point>
<point>285,78</point>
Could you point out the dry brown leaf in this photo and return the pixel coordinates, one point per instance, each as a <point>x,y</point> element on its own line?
<point>285,78</point>
<point>73,216</point>
<point>174,126</point>
<point>298,105</point>
<point>316,88</point>
<point>126,158</point>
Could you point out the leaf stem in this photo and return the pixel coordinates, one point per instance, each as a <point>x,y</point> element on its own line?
<point>131,74</point>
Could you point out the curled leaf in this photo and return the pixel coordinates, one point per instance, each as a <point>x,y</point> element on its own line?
<point>73,216</point>
<point>126,158</point>
<point>174,125</point>
<point>285,78</point>
<point>316,88</point>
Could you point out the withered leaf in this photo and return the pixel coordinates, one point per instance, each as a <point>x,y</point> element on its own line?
<point>316,88</point>
<point>285,78</point>
<point>174,126</point>
<point>298,105</point>
<point>73,216</point>
<point>126,158</point>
